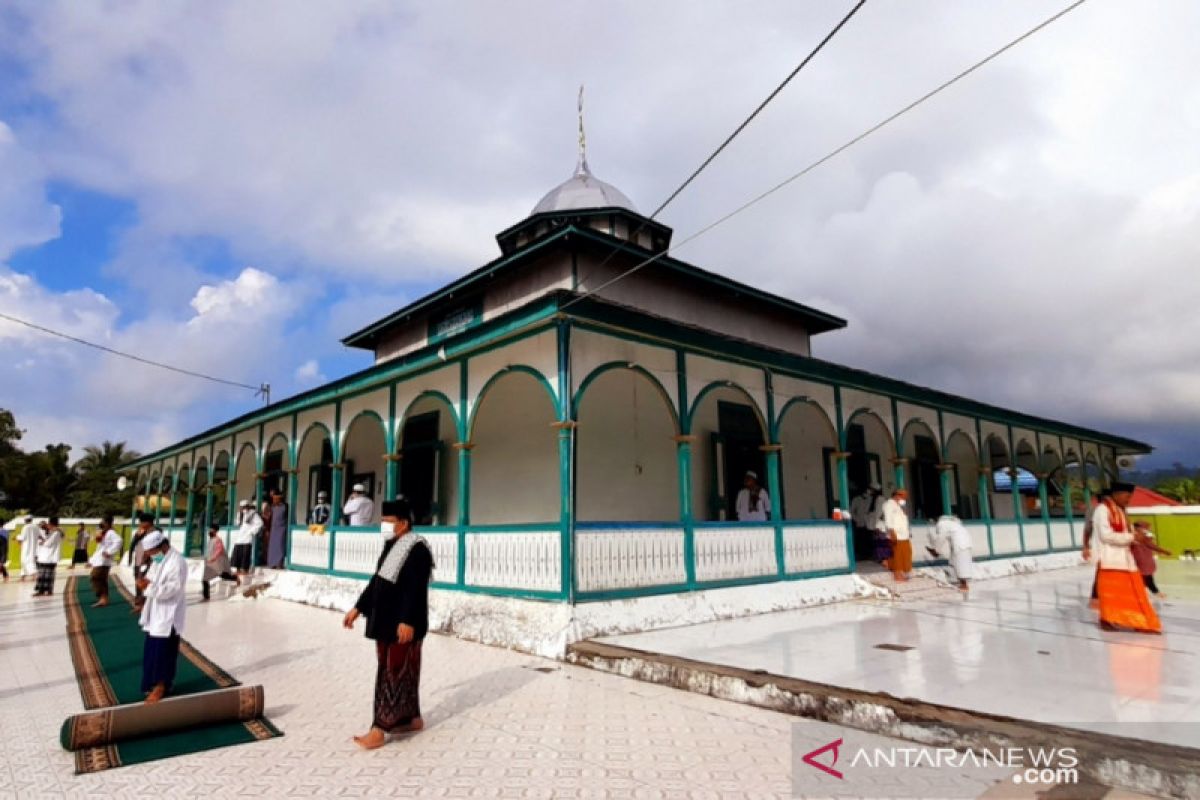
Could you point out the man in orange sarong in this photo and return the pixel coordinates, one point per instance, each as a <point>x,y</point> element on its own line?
<point>1123,599</point>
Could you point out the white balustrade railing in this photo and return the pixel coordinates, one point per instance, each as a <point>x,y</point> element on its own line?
<point>1037,537</point>
<point>979,539</point>
<point>529,560</point>
<point>1006,538</point>
<point>444,546</point>
<point>1060,534</point>
<point>730,553</point>
<point>628,557</point>
<point>357,552</point>
<point>310,549</point>
<point>814,548</point>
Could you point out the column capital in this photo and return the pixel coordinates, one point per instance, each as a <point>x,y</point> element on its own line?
<point>771,448</point>
<point>464,447</point>
<point>686,438</point>
<point>898,462</point>
<point>944,467</point>
<point>339,466</point>
<point>393,456</point>
<point>564,425</point>
<point>839,455</point>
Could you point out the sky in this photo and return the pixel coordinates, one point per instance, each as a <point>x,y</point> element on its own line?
<point>234,187</point>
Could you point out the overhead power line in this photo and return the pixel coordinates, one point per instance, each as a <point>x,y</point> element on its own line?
<point>835,152</point>
<point>736,131</point>
<point>264,389</point>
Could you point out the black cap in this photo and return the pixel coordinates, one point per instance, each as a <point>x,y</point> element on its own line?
<point>398,508</point>
<point>1122,486</point>
<point>144,517</point>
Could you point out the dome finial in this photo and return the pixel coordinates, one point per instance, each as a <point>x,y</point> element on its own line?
<point>581,168</point>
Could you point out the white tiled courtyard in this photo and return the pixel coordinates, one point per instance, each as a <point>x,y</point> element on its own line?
<point>501,724</point>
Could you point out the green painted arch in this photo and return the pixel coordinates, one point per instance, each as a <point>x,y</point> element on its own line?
<point>611,366</point>
<point>714,386</point>
<point>964,434</point>
<point>201,465</point>
<point>425,395</point>
<point>236,461</point>
<point>866,411</point>
<point>212,467</point>
<point>987,449</point>
<point>904,432</point>
<point>287,447</point>
<point>183,476</point>
<point>805,401</point>
<point>516,369</point>
<point>343,438</point>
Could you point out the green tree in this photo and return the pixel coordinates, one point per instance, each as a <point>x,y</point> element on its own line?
<point>95,493</point>
<point>1185,490</point>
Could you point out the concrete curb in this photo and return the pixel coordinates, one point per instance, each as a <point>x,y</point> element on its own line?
<point>1158,769</point>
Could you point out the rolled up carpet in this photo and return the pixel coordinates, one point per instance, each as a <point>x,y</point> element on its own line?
<point>136,720</point>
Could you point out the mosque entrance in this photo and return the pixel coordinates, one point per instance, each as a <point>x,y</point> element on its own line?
<point>421,451</point>
<point>737,448</point>
<point>927,484</point>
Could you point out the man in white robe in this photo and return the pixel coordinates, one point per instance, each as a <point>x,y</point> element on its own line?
<point>359,509</point>
<point>108,550</point>
<point>249,527</point>
<point>753,502</point>
<point>28,539</point>
<point>951,537</point>
<point>163,614</point>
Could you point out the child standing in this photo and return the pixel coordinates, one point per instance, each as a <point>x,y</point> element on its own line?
<point>1144,547</point>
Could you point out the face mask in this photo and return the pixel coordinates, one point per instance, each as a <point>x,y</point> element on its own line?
<point>903,503</point>
<point>388,529</point>
<point>158,557</point>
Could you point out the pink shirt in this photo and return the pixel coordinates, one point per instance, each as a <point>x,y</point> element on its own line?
<point>1144,558</point>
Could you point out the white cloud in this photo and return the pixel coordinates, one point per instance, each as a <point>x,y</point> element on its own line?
<point>309,373</point>
<point>994,242</point>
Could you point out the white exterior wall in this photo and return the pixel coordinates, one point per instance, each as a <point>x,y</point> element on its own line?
<point>703,371</point>
<point>539,352</point>
<point>788,389</point>
<point>375,400</point>
<point>854,400</point>
<point>626,464</point>
<point>444,381</point>
<point>514,463</point>
<point>907,413</point>
<point>530,282</point>
<point>590,351</point>
<point>403,339</point>
<point>804,432</point>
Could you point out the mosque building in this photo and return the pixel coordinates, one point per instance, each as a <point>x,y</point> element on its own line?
<point>567,436</point>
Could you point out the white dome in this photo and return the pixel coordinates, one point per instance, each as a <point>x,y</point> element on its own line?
<point>583,190</point>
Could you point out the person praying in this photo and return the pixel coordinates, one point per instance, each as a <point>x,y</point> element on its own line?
<point>950,536</point>
<point>80,555</point>
<point>250,525</point>
<point>359,509</point>
<point>277,535</point>
<point>895,520</point>
<point>216,563</point>
<point>1124,603</point>
<point>320,513</point>
<point>28,540</point>
<point>49,550</point>
<point>108,552</point>
<point>163,614</point>
<point>753,504</point>
<point>396,605</point>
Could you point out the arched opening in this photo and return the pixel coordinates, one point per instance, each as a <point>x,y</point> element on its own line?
<point>1057,483</point>
<point>363,456</point>
<point>198,522</point>
<point>220,486</point>
<point>514,460</point>
<point>168,510</point>
<point>149,500</point>
<point>871,450</point>
<point>1028,465</point>
<point>1000,482</point>
<point>428,462</point>
<point>245,475</point>
<point>314,474</point>
<point>808,470</point>
<point>963,460</point>
<point>729,435</point>
<point>1093,475</point>
<point>1075,477</point>
<point>277,461</point>
<point>922,479</point>
<point>626,465</point>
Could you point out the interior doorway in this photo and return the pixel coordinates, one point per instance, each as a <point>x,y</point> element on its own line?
<point>737,448</point>
<point>421,452</point>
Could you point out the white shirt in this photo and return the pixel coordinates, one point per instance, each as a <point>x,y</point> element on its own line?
<point>28,539</point>
<point>360,510</point>
<point>950,530</point>
<point>166,605</point>
<point>747,514</point>
<point>252,525</point>
<point>110,546</point>
<point>894,519</point>
<point>1112,547</point>
<point>49,546</point>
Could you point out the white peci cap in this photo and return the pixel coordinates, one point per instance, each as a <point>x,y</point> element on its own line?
<point>358,487</point>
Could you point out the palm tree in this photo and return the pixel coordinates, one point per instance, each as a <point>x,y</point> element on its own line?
<point>95,491</point>
<point>1185,490</point>
<point>108,456</point>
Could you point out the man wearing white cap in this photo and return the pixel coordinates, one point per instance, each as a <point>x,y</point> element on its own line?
<point>250,525</point>
<point>359,509</point>
<point>320,513</point>
<point>163,614</point>
<point>28,539</point>
<point>753,503</point>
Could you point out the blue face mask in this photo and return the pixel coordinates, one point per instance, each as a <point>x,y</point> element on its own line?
<point>158,557</point>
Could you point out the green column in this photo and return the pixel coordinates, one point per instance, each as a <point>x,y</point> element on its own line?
<point>947,488</point>
<point>684,461</point>
<point>1044,499</point>
<point>898,471</point>
<point>566,440</point>
<point>335,512</point>
<point>773,484</point>
<point>843,474</point>
<point>464,508</point>
<point>985,506</point>
<point>187,525</point>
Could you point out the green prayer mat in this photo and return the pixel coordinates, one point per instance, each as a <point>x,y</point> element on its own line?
<point>106,649</point>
